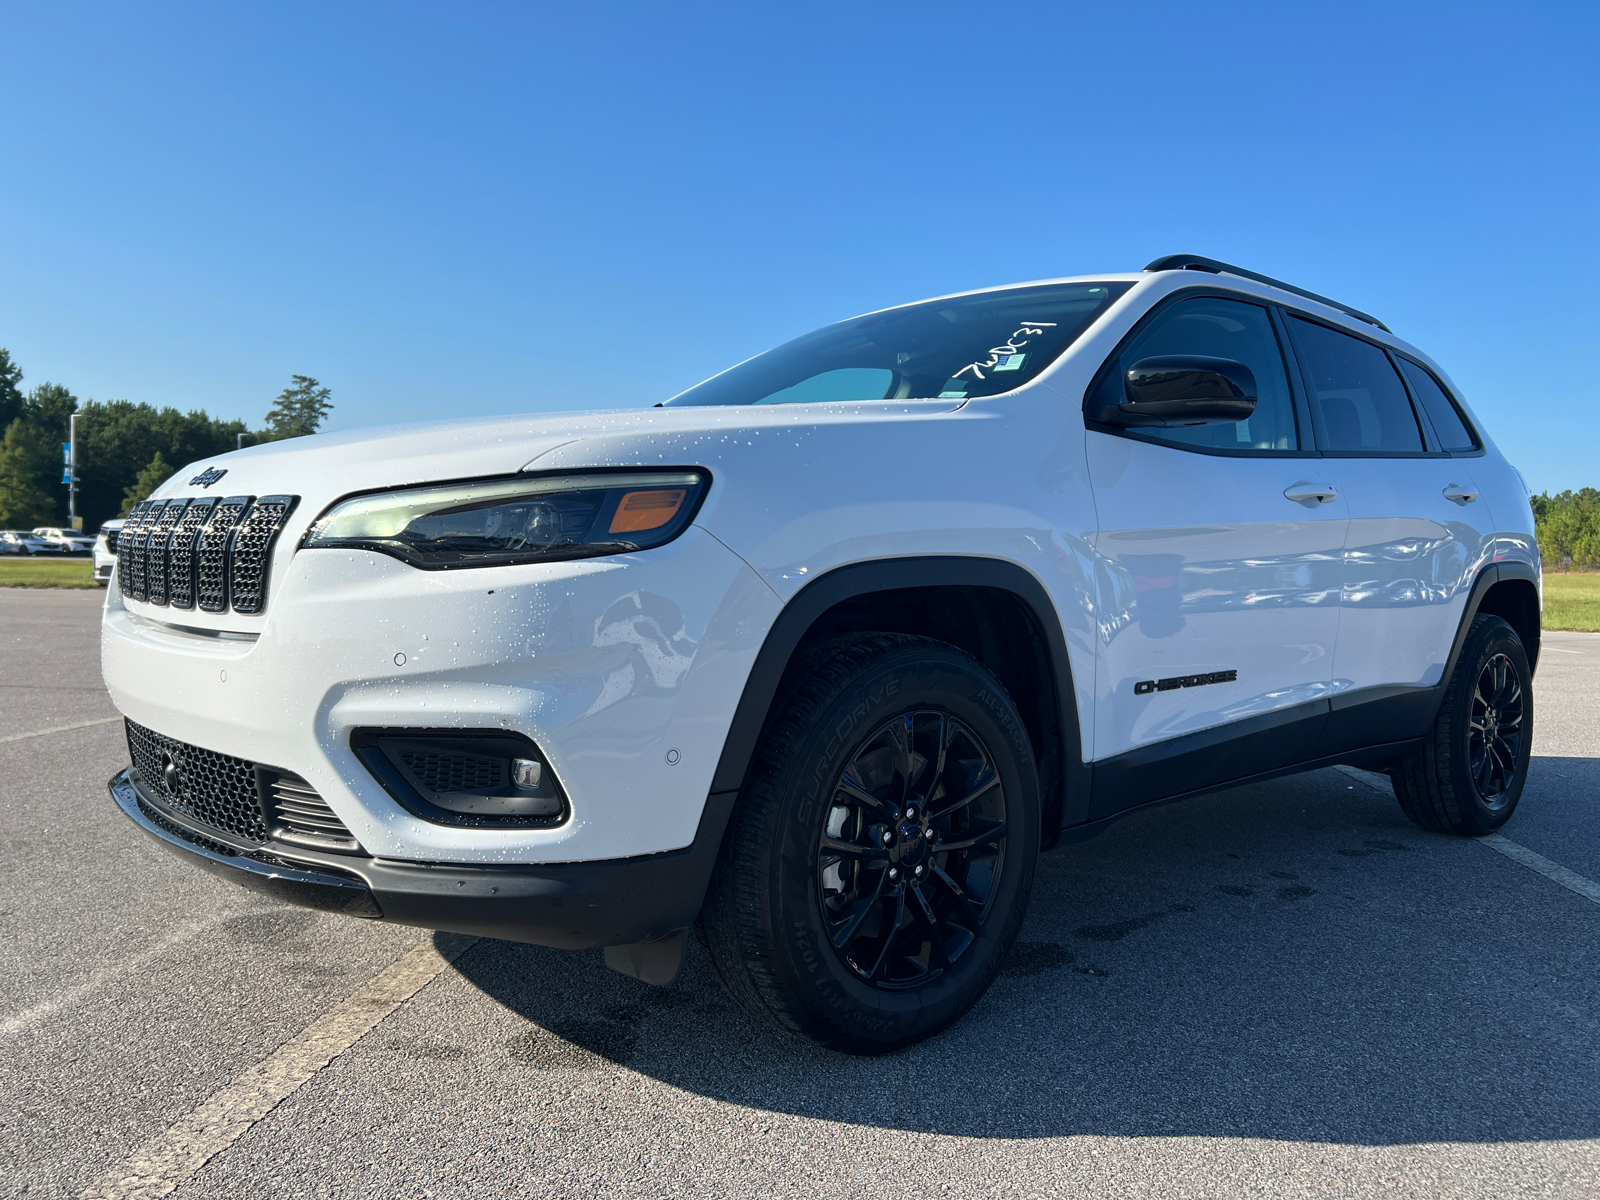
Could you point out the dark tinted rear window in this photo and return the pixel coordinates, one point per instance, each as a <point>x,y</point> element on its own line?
<point>1354,387</point>
<point>1447,422</point>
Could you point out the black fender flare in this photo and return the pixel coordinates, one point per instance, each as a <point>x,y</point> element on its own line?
<point>1491,574</point>
<point>883,575</point>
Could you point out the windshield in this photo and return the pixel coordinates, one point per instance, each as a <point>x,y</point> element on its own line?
<point>977,345</point>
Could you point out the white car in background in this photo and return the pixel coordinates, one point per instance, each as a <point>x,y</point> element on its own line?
<point>71,541</point>
<point>816,657</point>
<point>25,541</point>
<point>105,552</point>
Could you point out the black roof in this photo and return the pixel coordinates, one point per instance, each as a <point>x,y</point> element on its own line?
<point>1194,262</point>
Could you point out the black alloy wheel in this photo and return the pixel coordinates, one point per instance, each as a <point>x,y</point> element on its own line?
<point>910,850</point>
<point>1494,741</point>
<point>878,863</point>
<point>1469,773</point>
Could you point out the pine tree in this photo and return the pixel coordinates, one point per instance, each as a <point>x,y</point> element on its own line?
<point>23,503</point>
<point>299,409</point>
<point>153,476</point>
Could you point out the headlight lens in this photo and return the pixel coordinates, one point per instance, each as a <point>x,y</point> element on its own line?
<point>487,522</point>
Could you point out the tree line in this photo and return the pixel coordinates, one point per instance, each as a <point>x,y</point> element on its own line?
<point>1568,525</point>
<point>125,450</point>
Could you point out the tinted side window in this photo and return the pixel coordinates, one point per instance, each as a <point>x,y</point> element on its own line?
<point>1354,388</point>
<point>1447,422</point>
<point>1220,329</point>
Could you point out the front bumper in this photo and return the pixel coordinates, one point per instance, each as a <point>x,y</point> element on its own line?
<point>571,906</point>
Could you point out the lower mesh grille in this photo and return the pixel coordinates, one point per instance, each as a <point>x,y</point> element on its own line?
<point>454,772</point>
<point>226,794</point>
<point>214,789</point>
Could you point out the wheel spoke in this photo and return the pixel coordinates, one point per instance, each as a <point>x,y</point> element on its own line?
<point>947,730</point>
<point>858,913</point>
<point>860,794</point>
<point>900,731</point>
<point>992,781</point>
<point>894,932</point>
<point>833,847</point>
<point>936,935</point>
<point>984,837</point>
<point>969,906</point>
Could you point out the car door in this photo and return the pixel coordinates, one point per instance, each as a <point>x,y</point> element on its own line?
<point>1219,557</point>
<point>1418,531</point>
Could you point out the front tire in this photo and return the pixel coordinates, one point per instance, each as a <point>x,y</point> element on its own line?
<point>879,862</point>
<point>1469,775</point>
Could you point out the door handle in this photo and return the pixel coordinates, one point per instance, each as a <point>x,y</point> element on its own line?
<point>1304,492</point>
<point>1461,495</point>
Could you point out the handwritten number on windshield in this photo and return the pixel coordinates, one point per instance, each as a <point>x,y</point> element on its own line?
<point>1013,345</point>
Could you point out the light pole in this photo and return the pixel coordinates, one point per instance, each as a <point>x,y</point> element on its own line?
<point>71,472</point>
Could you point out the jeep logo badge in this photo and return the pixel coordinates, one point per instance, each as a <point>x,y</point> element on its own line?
<point>171,779</point>
<point>207,477</point>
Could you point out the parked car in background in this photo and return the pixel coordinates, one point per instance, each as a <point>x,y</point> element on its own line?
<point>72,541</point>
<point>105,552</point>
<point>22,541</point>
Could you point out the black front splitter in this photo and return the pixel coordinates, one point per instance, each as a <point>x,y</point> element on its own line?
<point>575,906</point>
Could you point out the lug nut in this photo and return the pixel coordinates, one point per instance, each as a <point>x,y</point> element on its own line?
<point>928,833</point>
<point>910,812</point>
<point>894,872</point>
<point>919,872</point>
<point>887,837</point>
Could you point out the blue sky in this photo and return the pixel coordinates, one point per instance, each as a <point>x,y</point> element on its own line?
<point>475,208</point>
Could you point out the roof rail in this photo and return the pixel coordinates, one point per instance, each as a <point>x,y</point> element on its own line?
<point>1193,262</point>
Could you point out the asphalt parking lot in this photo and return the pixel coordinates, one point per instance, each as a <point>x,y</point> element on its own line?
<point>1281,990</point>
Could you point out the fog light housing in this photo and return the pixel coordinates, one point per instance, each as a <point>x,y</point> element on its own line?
<point>464,777</point>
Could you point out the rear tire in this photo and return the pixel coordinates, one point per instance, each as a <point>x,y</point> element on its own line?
<point>1469,775</point>
<point>880,859</point>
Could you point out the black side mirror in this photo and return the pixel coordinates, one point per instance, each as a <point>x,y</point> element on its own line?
<point>1180,389</point>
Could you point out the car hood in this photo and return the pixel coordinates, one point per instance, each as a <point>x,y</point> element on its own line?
<point>325,466</point>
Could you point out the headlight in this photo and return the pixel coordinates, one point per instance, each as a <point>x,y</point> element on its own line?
<point>530,518</point>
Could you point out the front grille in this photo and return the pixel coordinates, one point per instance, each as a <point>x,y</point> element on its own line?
<point>247,581</point>
<point>180,552</point>
<point>211,557</point>
<point>111,540</point>
<point>303,818</point>
<point>214,789</point>
<point>155,551</point>
<point>234,796</point>
<point>133,545</point>
<point>206,553</point>
<point>445,773</point>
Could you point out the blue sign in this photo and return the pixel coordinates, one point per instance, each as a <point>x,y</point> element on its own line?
<point>66,476</point>
<point>66,453</point>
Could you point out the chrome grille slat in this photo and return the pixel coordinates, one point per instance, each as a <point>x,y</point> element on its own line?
<point>125,539</point>
<point>252,544</point>
<point>155,551</point>
<point>134,548</point>
<point>211,555</point>
<point>180,552</point>
<point>300,816</point>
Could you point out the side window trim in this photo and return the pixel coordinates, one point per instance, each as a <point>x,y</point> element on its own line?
<point>1473,432</point>
<point>1431,442</point>
<point>1311,442</point>
<point>1423,431</point>
<point>1284,350</point>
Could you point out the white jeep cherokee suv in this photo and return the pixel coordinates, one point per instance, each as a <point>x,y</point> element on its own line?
<point>816,657</point>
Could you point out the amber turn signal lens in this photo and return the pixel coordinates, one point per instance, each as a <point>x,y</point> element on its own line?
<point>638,511</point>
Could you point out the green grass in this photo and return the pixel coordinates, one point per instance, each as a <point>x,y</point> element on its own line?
<point>20,571</point>
<point>1572,601</point>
